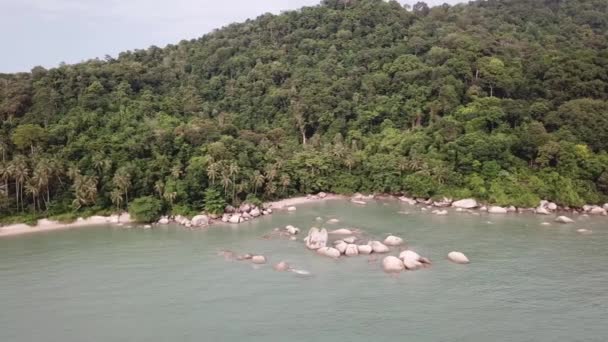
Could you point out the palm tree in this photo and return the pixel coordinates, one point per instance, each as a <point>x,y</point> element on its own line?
<point>350,161</point>
<point>233,170</point>
<point>170,196</point>
<point>85,190</point>
<point>32,189</point>
<point>20,173</point>
<point>159,187</point>
<point>122,181</point>
<point>285,182</point>
<point>43,173</point>
<point>213,171</point>
<point>271,172</point>
<point>101,163</point>
<point>116,198</point>
<point>226,182</point>
<point>5,175</point>
<point>257,180</point>
<point>176,171</point>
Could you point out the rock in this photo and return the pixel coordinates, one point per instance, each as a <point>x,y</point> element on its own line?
<point>407,200</point>
<point>358,202</point>
<point>236,218</point>
<point>392,264</point>
<point>497,210</point>
<point>546,224</point>
<point>258,259</point>
<point>440,212</point>
<point>587,207</point>
<point>291,209</point>
<point>292,230</point>
<point>468,203</point>
<point>322,195</point>
<point>265,212</point>
<point>229,209</point>
<point>329,252</point>
<point>188,224</point>
<point>364,249</point>
<point>200,221</point>
<point>341,231</point>
<point>316,238</point>
<point>246,216</point>
<point>281,266</point>
<point>351,250</point>
<point>409,254</point>
<point>458,258</point>
<point>392,240</point>
<point>244,257</point>
<point>551,206</point>
<point>597,211</point>
<point>541,211</point>
<point>341,246</point>
<point>511,209</point>
<point>255,212</point>
<point>483,208</point>
<point>564,219</point>
<point>459,210</point>
<point>411,264</point>
<point>333,221</point>
<point>445,202</point>
<point>225,218</point>
<point>147,226</point>
<point>350,239</point>
<point>605,206</point>
<point>583,231</point>
<point>319,218</point>
<point>379,247</point>
<point>163,220</point>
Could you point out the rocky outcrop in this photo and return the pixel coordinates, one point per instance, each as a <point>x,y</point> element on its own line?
<point>392,264</point>
<point>468,203</point>
<point>392,240</point>
<point>316,238</point>
<point>458,257</point>
<point>564,219</point>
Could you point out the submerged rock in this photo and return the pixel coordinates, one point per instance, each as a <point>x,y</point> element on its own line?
<point>564,219</point>
<point>258,259</point>
<point>541,211</point>
<point>583,231</point>
<point>440,212</point>
<point>292,230</point>
<point>333,220</point>
<point>407,200</point>
<point>341,231</point>
<point>392,264</point>
<point>292,209</point>
<point>392,240</point>
<point>458,258</point>
<point>281,266</point>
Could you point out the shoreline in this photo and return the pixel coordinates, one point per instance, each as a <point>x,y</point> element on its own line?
<point>46,225</point>
<point>293,201</point>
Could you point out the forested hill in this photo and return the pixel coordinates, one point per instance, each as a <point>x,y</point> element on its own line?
<point>504,101</point>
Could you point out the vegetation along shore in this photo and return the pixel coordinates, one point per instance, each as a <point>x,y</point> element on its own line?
<point>504,104</point>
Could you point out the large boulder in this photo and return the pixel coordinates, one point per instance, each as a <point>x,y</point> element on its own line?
<point>564,219</point>
<point>364,249</point>
<point>200,221</point>
<point>226,218</point>
<point>409,254</point>
<point>236,218</point>
<point>458,258</point>
<point>497,210</point>
<point>245,208</point>
<point>163,220</point>
<point>292,209</point>
<point>551,206</point>
<point>542,211</point>
<point>258,259</point>
<point>468,203</point>
<point>316,238</point>
<point>350,239</point>
<point>351,250</point>
<point>322,195</point>
<point>392,240</point>
<point>392,264</point>
<point>411,260</point>
<point>445,202</point>
<point>379,247</point>
<point>255,212</point>
<point>605,206</point>
<point>329,252</point>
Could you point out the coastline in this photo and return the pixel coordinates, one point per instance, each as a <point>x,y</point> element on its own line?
<point>46,225</point>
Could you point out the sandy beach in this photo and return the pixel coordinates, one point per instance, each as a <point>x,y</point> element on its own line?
<point>294,201</point>
<point>45,225</point>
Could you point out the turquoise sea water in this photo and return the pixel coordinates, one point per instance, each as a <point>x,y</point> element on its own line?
<point>526,282</point>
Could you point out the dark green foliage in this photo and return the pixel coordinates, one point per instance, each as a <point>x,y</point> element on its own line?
<point>145,209</point>
<point>505,101</point>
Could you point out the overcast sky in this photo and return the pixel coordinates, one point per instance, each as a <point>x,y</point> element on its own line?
<point>47,32</point>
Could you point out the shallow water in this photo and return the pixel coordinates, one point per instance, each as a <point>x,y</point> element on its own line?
<point>526,282</point>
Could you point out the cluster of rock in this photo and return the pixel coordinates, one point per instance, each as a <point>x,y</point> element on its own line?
<point>244,213</point>
<point>346,244</point>
<point>260,259</point>
<point>197,221</point>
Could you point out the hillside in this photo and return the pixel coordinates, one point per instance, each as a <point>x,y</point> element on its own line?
<point>504,101</point>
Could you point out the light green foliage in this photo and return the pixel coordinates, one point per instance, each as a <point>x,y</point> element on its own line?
<point>145,209</point>
<point>214,202</point>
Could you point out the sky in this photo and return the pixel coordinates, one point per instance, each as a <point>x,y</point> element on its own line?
<point>48,32</point>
